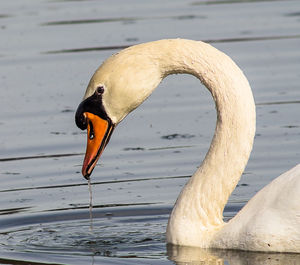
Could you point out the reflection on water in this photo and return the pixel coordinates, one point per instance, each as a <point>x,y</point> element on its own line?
<point>189,255</point>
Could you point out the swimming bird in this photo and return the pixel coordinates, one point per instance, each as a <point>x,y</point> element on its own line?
<point>270,221</point>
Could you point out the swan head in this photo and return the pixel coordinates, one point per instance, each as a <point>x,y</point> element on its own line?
<point>91,115</point>
<point>117,87</point>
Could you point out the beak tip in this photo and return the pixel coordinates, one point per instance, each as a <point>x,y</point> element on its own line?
<point>85,174</point>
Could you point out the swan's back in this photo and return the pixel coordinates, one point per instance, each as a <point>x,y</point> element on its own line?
<point>270,221</point>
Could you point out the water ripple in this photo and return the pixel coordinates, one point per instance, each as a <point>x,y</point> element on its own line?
<point>94,183</point>
<point>38,157</point>
<point>231,2</point>
<point>118,19</point>
<point>225,40</point>
<point>278,102</point>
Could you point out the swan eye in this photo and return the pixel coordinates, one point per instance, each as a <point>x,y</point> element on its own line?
<point>100,90</point>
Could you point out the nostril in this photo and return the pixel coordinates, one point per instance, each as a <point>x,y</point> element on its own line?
<point>91,131</point>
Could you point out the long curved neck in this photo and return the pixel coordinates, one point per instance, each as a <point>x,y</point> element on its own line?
<point>203,199</point>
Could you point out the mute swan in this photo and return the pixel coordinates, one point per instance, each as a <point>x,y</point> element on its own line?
<point>271,219</point>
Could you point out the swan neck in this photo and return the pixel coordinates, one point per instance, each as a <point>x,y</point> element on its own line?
<point>203,199</point>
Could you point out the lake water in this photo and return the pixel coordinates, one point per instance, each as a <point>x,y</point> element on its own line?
<point>48,52</point>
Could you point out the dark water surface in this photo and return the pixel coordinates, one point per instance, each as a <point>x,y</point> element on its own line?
<point>48,52</point>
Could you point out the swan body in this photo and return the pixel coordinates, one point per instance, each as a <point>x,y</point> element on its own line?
<point>271,219</point>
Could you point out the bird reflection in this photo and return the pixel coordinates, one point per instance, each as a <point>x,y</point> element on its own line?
<point>190,255</point>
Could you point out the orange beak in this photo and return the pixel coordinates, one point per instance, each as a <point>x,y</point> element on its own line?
<point>98,134</point>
